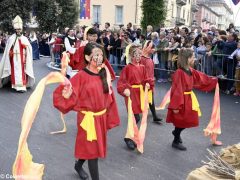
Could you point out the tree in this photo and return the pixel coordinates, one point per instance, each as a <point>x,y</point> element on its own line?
<point>46,15</point>
<point>10,9</point>
<point>52,15</point>
<point>68,13</point>
<point>154,13</point>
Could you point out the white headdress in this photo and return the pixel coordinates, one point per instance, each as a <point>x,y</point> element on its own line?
<point>17,23</point>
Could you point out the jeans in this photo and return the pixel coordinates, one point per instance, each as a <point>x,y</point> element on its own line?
<point>57,58</point>
<point>114,61</point>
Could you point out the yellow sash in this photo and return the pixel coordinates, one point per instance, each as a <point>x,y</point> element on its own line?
<point>150,98</point>
<point>88,123</point>
<point>195,104</point>
<point>141,94</point>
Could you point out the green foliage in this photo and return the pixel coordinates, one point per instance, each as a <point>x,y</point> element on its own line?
<point>68,14</point>
<point>46,15</point>
<point>9,9</point>
<point>50,14</point>
<point>154,13</point>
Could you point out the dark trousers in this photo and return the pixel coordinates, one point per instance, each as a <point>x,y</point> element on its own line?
<point>152,108</point>
<point>92,166</point>
<point>177,132</point>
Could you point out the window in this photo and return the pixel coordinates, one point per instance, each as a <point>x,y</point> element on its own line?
<point>119,15</point>
<point>97,14</point>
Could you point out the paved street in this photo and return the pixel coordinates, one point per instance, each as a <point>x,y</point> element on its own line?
<point>159,160</point>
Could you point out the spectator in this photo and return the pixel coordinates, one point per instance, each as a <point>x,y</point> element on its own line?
<point>162,57</point>
<point>149,32</point>
<point>114,49</point>
<point>2,44</point>
<point>228,48</point>
<point>107,26</point>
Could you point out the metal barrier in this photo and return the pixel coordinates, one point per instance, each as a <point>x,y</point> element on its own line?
<point>216,65</point>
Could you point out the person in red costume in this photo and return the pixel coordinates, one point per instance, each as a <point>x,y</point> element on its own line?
<point>149,65</point>
<point>77,59</point>
<point>91,96</point>
<point>183,109</point>
<point>133,77</point>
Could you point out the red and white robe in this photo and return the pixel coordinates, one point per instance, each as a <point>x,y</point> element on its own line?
<point>16,63</point>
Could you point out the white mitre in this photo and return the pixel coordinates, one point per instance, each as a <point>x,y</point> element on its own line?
<point>17,23</point>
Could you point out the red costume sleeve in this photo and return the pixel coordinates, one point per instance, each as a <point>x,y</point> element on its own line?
<point>62,104</point>
<point>106,62</point>
<point>122,83</point>
<point>77,59</point>
<point>202,81</point>
<point>112,113</point>
<point>177,91</point>
<point>147,79</point>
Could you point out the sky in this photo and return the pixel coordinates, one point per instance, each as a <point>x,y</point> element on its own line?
<point>236,11</point>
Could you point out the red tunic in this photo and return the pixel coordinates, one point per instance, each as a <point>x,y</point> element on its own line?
<point>88,96</point>
<point>184,82</point>
<point>133,75</point>
<point>77,62</point>
<point>149,65</point>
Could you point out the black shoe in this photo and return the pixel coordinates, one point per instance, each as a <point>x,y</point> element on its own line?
<point>180,139</point>
<point>82,174</point>
<point>156,119</point>
<point>130,143</point>
<point>178,146</point>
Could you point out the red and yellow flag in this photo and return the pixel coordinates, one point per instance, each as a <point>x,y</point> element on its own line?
<point>137,135</point>
<point>214,127</point>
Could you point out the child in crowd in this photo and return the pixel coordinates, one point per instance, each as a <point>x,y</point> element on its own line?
<point>236,55</point>
<point>149,65</point>
<point>183,110</point>
<point>133,79</point>
<point>91,96</point>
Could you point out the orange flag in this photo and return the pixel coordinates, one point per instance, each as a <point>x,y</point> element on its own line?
<point>165,101</point>
<point>64,64</point>
<point>214,127</point>
<point>24,167</point>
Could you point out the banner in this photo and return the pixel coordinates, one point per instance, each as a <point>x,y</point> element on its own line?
<point>235,2</point>
<point>84,9</point>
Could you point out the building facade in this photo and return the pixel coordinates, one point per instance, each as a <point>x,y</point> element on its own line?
<point>206,17</point>
<point>117,12</point>
<point>225,14</point>
<point>180,12</point>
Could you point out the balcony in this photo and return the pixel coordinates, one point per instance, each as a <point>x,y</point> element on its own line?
<point>179,21</point>
<point>204,19</point>
<point>181,2</point>
<point>194,22</point>
<point>195,8</point>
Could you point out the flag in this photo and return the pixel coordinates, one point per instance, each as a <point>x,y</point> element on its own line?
<point>84,9</point>
<point>235,2</point>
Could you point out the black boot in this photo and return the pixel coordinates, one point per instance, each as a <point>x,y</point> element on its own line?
<point>137,118</point>
<point>153,110</point>
<point>156,119</point>
<point>180,139</point>
<point>178,145</point>
<point>177,142</point>
<point>78,167</point>
<point>130,143</point>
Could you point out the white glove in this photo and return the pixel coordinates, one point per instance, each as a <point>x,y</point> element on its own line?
<point>126,92</point>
